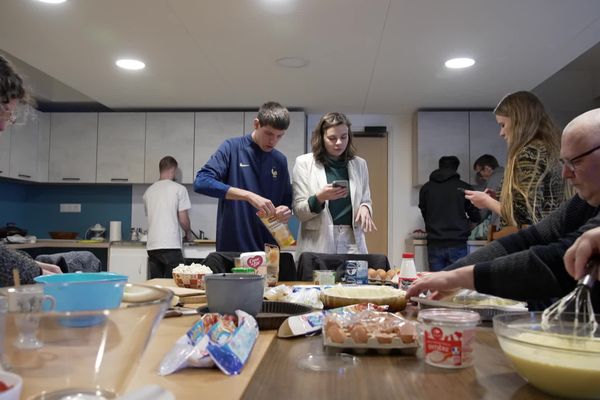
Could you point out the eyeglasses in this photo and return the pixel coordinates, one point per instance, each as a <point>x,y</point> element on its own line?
<point>10,116</point>
<point>569,163</point>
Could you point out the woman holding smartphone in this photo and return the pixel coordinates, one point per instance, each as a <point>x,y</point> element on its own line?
<point>332,198</point>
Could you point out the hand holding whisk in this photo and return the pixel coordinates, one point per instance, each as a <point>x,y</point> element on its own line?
<point>579,303</point>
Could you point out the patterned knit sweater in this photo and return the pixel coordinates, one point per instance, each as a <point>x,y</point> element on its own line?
<point>9,259</point>
<point>528,265</point>
<point>545,191</point>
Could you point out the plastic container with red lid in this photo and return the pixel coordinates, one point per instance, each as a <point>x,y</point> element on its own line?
<point>446,336</point>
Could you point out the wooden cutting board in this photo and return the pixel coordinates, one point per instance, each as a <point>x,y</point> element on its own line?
<point>185,295</point>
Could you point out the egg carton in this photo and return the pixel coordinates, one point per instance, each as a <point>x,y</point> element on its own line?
<point>373,344</point>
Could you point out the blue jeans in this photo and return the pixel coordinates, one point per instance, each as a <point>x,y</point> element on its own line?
<point>440,257</point>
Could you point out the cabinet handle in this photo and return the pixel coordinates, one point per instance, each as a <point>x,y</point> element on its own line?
<point>23,175</point>
<point>71,179</point>
<point>119,179</point>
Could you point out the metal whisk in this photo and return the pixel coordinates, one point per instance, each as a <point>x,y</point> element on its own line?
<point>578,302</point>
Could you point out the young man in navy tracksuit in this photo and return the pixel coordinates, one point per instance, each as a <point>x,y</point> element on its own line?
<point>248,175</point>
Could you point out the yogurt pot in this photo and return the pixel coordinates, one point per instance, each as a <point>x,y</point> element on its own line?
<point>447,336</point>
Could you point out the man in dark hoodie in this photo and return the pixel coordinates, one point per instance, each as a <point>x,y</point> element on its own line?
<point>448,215</point>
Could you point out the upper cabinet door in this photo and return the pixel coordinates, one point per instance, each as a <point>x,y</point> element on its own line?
<point>170,134</point>
<point>43,146</point>
<point>441,133</point>
<point>484,138</point>
<point>293,142</point>
<point>24,150</point>
<point>73,140</point>
<point>121,138</point>
<point>5,152</point>
<point>212,128</point>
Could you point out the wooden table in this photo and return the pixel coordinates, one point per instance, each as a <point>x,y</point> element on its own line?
<point>272,372</point>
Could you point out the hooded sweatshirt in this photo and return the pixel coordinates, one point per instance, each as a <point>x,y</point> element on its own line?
<point>446,212</point>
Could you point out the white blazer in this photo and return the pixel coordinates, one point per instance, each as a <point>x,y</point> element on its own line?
<point>316,230</point>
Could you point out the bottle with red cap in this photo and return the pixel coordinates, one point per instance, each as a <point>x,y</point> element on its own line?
<point>408,270</point>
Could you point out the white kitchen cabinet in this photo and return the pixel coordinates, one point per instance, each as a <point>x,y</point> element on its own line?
<point>212,129</point>
<point>29,148</point>
<point>5,152</point>
<point>292,144</point>
<point>484,138</point>
<point>73,143</point>
<point>43,146</point>
<point>170,134</point>
<point>198,250</point>
<point>121,140</point>
<point>465,134</point>
<point>130,261</point>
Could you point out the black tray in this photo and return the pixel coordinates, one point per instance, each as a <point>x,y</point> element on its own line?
<point>273,313</point>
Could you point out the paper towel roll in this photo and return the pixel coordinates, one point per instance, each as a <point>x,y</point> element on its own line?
<point>115,231</point>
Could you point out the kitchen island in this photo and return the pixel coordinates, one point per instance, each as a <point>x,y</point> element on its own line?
<point>272,372</point>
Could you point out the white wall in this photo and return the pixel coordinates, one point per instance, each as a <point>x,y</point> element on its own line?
<point>203,214</point>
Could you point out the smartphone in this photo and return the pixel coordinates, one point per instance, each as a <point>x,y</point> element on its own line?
<point>340,183</point>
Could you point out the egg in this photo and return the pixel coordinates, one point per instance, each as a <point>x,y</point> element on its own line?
<point>391,273</point>
<point>359,333</point>
<point>336,333</point>
<point>382,274</point>
<point>372,273</point>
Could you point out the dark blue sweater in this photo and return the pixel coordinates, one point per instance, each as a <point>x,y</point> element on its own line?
<point>240,163</point>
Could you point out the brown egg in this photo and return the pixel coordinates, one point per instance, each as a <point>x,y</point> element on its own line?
<point>336,333</point>
<point>359,333</point>
<point>382,274</point>
<point>391,273</point>
<point>372,273</point>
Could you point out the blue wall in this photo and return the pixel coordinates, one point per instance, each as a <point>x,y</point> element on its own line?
<point>35,207</point>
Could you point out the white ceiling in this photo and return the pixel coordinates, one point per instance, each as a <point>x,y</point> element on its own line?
<point>366,56</point>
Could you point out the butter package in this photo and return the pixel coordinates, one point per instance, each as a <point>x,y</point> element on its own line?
<point>256,260</point>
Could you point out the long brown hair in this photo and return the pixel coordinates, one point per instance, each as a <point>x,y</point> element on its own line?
<point>327,121</point>
<point>529,123</point>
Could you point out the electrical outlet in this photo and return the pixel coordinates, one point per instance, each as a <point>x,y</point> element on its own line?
<point>70,208</point>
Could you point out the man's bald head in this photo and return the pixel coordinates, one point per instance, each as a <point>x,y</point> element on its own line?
<point>580,155</point>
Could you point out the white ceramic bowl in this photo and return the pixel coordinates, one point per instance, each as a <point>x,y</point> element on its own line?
<point>15,384</point>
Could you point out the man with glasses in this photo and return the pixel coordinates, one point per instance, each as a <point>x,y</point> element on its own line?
<point>528,265</point>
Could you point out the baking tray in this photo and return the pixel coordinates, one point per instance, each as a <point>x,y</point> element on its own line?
<point>486,312</point>
<point>273,313</point>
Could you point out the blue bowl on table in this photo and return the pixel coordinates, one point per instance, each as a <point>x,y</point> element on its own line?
<point>80,292</point>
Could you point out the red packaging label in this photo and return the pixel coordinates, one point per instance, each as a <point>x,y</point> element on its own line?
<point>443,349</point>
<point>255,262</point>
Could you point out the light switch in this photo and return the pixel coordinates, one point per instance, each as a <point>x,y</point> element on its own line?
<point>70,208</point>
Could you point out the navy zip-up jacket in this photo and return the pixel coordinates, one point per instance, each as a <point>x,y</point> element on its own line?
<point>239,162</point>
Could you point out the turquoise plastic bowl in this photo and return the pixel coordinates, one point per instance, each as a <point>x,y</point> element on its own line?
<point>84,291</point>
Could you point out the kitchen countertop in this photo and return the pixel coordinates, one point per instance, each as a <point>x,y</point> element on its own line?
<point>423,242</point>
<point>89,244</point>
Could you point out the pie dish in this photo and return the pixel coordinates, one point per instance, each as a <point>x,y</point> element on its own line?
<point>341,296</point>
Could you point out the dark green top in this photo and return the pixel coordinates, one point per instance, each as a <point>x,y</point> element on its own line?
<point>340,209</point>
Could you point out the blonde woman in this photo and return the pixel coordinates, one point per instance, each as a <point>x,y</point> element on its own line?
<point>532,186</point>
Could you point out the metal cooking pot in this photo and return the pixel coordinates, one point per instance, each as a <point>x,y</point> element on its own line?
<point>11,229</point>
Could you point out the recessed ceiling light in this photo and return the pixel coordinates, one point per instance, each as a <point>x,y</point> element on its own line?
<point>292,62</point>
<point>457,63</point>
<point>130,63</point>
<point>52,1</point>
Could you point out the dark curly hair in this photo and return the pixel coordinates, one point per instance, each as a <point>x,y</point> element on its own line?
<point>11,84</point>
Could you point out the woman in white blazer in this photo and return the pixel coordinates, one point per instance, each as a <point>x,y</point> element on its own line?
<point>332,198</point>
